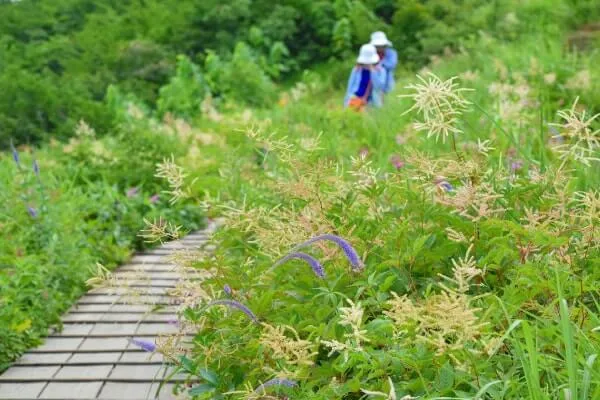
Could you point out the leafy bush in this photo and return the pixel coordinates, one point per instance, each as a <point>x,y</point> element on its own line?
<point>185,91</point>
<point>241,79</point>
<point>67,207</point>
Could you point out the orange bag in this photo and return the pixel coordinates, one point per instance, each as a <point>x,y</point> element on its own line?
<point>357,104</point>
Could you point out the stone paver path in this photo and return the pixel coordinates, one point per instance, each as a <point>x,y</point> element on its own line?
<point>93,357</point>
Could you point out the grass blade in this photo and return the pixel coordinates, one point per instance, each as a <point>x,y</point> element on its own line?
<point>587,376</point>
<point>485,388</point>
<point>567,336</point>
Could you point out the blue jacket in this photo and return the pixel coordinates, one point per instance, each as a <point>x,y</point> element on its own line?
<point>378,76</point>
<point>389,63</point>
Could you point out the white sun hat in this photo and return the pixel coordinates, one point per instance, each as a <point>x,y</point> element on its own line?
<point>379,39</point>
<point>367,55</point>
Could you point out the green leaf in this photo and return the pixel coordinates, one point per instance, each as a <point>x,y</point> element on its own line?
<point>387,283</point>
<point>187,364</point>
<point>445,379</point>
<point>203,388</point>
<point>209,376</point>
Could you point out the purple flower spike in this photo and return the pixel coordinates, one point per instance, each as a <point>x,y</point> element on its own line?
<point>227,290</point>
<point>313,262</point>
<point>275,382</point>
<point>15,154</point>
<point>36,168</point>
<point>349,251</point>
<point>154,199</point>
<point>444,185</point>
<point>235,304</point>
<point>32,212</point>
<point>145,345</point>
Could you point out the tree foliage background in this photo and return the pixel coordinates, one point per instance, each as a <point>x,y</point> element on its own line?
<point>58,57</point>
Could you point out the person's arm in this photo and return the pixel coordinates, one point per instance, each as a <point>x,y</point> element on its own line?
<point>351,87</point>
<point>390,60</point>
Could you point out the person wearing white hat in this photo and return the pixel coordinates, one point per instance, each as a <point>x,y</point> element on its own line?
<point>366,81</point>
<point>388,56</point>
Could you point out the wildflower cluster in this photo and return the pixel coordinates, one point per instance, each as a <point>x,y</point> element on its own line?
<point>582,142</point>
<point>439,103</point>
<point>160,231</point>
<point>175,176</point>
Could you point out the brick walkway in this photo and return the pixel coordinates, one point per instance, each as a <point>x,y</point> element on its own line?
<point>93,357</point>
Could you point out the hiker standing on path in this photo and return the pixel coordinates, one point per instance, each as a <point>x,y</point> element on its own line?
<point>366,82</point>
<point>388,57</point>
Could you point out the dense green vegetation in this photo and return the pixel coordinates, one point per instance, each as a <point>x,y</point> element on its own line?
<point>58,57</point>
<point>65,208</point>
<point>480,253</point>
<point>480,248</point>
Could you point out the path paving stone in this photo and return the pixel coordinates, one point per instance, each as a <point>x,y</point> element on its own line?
<point>130,390</point>
<point>71,390</point>
<point>29,373</point>
<point>140,357</point>
<point>105,344</point>
<point>93,356</point>
<point>139,372</point>
<point>21,390</point>
<point>44,358</point>
<point>88,372</point>
<point>113,329</point>
<point>86,358</point>
<point>58,344</point>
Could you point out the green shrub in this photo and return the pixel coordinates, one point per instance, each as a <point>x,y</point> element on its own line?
<point>241,79</point>
<point>85,202</point>
<point>185,91</point>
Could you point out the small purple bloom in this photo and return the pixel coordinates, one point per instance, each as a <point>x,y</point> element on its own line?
<point>145,345</point>
<point>516,165</point>
<point>173,321</point>
<point>32,212</point>
<point>313,262</point>
<point>227,290</point>
<point>15,154</point>
<point>276,382</point>
<point>235,304</point>
<point>349,251</point>
<point>397,162</point>
<point>154,199</point>
<point>132,192</point>
<point>36,168</point>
